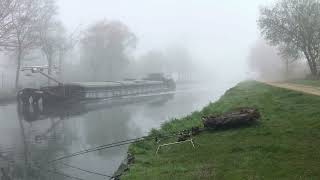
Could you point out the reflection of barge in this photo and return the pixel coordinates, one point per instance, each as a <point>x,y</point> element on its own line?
<point>34,112</point>
<point>154,83</point>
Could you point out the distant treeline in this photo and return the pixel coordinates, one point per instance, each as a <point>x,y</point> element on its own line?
<point>293,28</point>
<point>32,34</point>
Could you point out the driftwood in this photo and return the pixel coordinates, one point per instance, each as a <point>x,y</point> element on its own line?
<point>240,117</point>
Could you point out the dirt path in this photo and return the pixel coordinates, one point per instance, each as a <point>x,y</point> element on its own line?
<point>297,87</point>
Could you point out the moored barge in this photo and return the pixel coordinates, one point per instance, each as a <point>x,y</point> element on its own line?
<point>83,91</point>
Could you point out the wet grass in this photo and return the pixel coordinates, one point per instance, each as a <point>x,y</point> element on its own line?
<point>283,145</point>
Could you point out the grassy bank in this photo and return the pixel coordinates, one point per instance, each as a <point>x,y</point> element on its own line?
<point>284,145</point>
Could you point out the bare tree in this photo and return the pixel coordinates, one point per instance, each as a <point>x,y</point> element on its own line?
<point>290,55</point>
<point>24,18</point>
<point>23,37</point>
<point>265,62</point>
<point>49,45</point>
<point>105,47</point>
<point>66,42</point>
<point>6,7</point>
<point>55,42</point>
<point>294,24</point>
<point>49,32</point>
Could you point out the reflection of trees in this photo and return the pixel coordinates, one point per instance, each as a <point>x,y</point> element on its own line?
<point>104,123</point>
<point>34,164</point>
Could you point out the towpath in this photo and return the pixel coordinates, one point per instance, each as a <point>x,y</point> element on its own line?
<point>296,87</point>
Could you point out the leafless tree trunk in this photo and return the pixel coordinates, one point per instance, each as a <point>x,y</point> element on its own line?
<point>50,65</point>
<point>6,7</point>
<point>19,57</point>
<point>61,56</point>
<point>24,18</point>
<point>295,24</point>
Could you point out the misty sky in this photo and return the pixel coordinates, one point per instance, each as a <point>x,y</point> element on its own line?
<point>218,32</point>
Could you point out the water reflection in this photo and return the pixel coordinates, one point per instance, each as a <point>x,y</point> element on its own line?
<point>49,132</point>
<point>37,111</point>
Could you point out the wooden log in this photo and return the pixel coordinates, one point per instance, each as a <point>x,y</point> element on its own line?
<point>233,119</point>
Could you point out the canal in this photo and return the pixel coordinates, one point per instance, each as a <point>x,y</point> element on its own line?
<point>30,137</point>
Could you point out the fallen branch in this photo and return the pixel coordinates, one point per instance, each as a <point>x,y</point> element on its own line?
<point>233,119</point>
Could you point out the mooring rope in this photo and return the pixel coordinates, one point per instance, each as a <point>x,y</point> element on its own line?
<point>116,144</point>
<point>87,171</point>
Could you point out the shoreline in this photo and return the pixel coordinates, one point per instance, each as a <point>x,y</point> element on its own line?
<point>266,150</point>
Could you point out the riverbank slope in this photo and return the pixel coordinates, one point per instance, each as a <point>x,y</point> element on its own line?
<point>283,145</point>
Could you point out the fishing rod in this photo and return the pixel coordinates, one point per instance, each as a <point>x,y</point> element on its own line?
<point>125,142</point>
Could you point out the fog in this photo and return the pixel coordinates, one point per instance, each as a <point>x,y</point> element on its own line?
<point>202,47</point>
<point>218,34</point>
<point>266,64</point>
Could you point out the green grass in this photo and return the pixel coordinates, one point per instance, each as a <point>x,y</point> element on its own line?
<point>285,144</point>
<point>315,83</point>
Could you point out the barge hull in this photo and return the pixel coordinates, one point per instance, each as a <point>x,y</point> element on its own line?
<point>82,91</point>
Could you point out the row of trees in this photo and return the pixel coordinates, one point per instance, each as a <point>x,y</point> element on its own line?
<point>30,25</point>
<point>105,48</point>
<point>293,27</point>
<point>176,61</point>
<point>266,63</point>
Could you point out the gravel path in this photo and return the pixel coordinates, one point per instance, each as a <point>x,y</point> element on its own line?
<point>296,87</point>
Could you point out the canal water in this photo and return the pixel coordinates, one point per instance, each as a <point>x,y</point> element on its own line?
<point>32,136</point>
